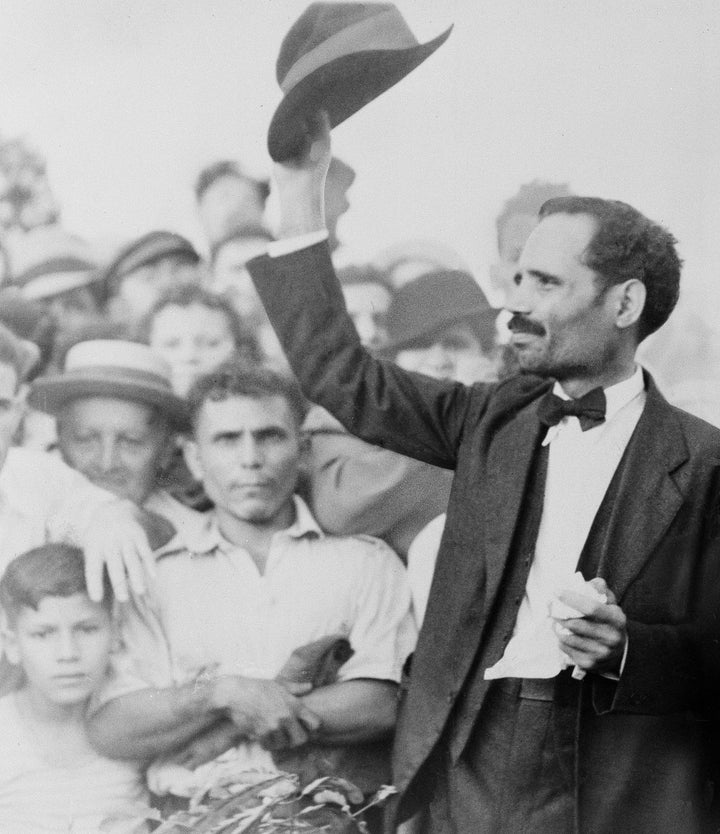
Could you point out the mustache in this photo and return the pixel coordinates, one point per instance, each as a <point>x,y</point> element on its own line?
<point>520,324</point>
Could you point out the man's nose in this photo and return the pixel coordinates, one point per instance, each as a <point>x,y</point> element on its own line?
<point>108,454</point>
<point>517,298</point>
<point>250,452</point>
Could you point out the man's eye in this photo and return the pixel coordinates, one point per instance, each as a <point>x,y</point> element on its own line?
<point>41,633</point>
<point>88,628</point>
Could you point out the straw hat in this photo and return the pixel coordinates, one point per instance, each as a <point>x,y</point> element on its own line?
<point>110,368</point>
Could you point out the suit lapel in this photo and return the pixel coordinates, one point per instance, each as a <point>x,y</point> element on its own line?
<point>509,463</point>
<point>648,498</point>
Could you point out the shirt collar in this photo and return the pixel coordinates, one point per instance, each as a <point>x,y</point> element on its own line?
<point>209,538</point>
<point>616,396</point>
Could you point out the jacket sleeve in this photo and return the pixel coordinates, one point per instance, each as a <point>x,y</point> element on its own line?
<point>374,399</point>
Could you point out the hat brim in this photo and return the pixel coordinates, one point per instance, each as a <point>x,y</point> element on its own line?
<point>341,88</point>
<point>50,394</point>
<point>481,314</point>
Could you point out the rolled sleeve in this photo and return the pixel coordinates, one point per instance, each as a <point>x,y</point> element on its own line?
<point>384,633</point>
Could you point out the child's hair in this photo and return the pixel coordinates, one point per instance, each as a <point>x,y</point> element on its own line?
<point>53,570</point>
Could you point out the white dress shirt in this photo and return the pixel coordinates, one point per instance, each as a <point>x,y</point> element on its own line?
<point>581,465</point>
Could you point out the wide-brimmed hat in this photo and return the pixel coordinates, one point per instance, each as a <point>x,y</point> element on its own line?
<point>338,57</point>
<point>433,302</point>
<point>111,368</point>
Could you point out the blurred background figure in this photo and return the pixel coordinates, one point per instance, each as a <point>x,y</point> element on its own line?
<point>340,177</point>
<point>60,272</point>
<point>26,199</point>
<point>229,200</point>
<point>442,325</point>
<point>518,217</point>
<point>146,267</point>
<point>368,295</point>
<point>229,276</point>
<point>409,259</point>
<point>195,330</point>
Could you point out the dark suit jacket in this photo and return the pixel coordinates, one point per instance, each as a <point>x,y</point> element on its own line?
<point>641,761</point>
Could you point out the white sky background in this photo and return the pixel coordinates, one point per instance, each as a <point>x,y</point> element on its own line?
<point>128,99</point>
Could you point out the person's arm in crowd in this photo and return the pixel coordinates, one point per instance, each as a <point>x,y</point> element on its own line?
<point>105,528</point>
<point>153,722</point>
<point>374,399</point>
<point>353,711</point>
<point>358,488</point>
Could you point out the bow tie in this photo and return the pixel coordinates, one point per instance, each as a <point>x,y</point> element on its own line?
<point>589,409</point>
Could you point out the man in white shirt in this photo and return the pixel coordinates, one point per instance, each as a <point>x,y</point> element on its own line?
<point>209,651</point>
<point>597,722</point>
<point>42,499</point>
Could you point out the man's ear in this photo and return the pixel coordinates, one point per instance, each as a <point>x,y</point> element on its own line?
<point>631,297</point>
<point>191,453</point>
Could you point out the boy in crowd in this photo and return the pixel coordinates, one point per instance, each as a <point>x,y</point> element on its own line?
<point>50,778</point>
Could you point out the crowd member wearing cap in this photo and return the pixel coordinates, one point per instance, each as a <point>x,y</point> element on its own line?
<point>42,499</point>
<point>229,200</point>
<point>117,419</point>
<point>441,325</point>
<point>143,269</point>
<point>58,271</point>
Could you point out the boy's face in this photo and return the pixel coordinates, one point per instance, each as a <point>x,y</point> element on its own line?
<point>63,648</point>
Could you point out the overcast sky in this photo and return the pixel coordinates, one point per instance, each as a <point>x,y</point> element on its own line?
<point>129,98</point>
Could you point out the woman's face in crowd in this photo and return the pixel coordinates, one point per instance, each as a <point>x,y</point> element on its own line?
<point>193,340</point>
<point>454,353</point>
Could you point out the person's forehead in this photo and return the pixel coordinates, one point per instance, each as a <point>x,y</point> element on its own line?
<point>60,610</point>
<point>367,295</point>
<point>558,243</point>
<point>111,412</point>
<point>180,317</point>
<point>246,414</point>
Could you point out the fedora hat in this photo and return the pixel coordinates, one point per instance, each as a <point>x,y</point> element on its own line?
<point>111,368</point>
<point>338,57</point>
<point>432,302</point>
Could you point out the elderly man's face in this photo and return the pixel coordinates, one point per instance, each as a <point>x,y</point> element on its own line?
<point>12,402</point>
<point>117,444</point>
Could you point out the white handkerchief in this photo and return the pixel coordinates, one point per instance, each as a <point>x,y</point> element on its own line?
<point>537,654</point>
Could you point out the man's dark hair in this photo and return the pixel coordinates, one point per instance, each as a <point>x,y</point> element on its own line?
<point>627,245</point>
<point>228,168</point>
<point>52,570</point>
<point>185,295</point>
<point>234,379</point>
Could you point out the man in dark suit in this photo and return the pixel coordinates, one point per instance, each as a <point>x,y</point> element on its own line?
<point>579,464</point>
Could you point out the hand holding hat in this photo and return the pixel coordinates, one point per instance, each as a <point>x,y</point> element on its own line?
<point>337,57</point>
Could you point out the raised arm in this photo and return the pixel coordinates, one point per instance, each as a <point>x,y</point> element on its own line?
<point>375,400</point>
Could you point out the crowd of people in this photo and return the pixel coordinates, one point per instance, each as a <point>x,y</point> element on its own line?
<point>222,508</point>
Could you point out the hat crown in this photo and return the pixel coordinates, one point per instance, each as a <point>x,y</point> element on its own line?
<point>116,355</point>
<point>321,21</point>
<point>433,301</point>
